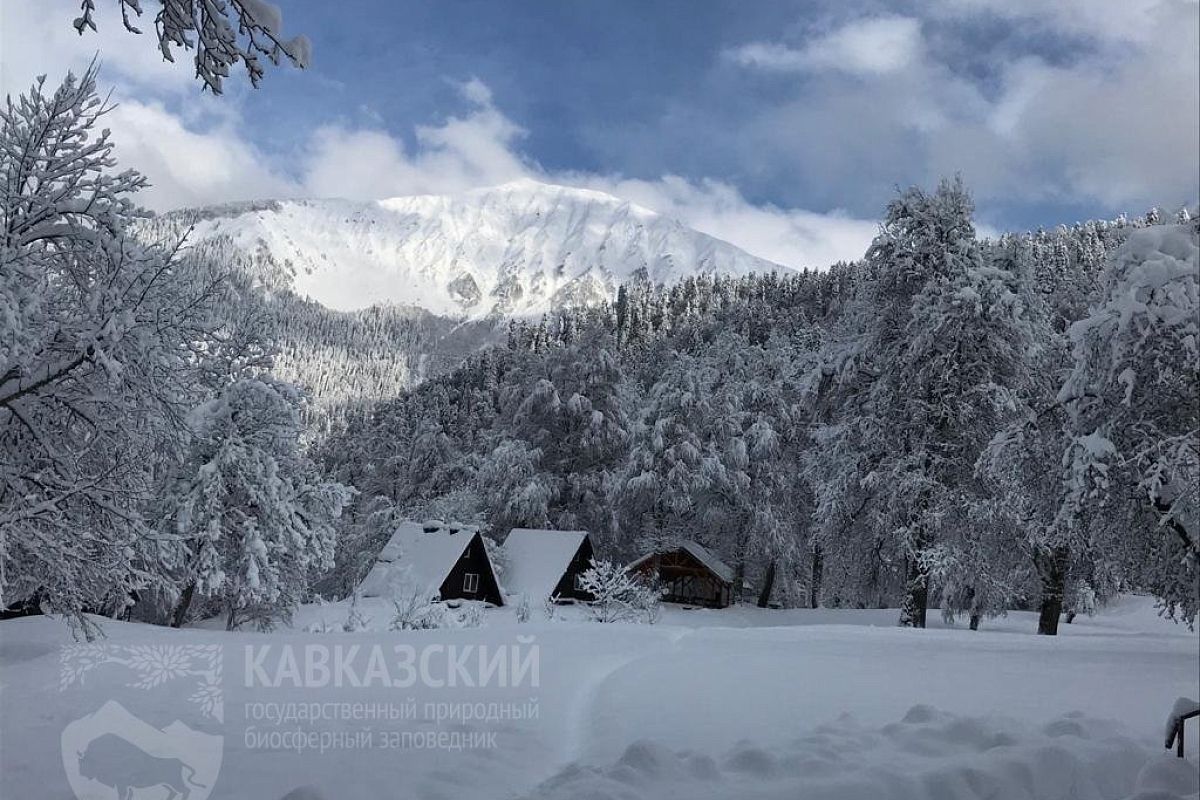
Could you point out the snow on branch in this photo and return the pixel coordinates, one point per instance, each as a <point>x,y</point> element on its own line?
<point>220,32</point>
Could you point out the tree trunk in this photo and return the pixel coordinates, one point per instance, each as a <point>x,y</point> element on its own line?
<point>764,596</point>
<point>231,620</point>
<point>916,597</point>
<point>818,574</point>
<point>183,606</point>
<point>1050,612</point>
<point>1052,567</point>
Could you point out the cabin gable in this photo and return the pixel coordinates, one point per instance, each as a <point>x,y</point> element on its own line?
<point>472,576</point>
<point>568,586</point>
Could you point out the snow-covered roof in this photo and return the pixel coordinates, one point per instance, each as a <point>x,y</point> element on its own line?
<point>699,552</point>
<point>420,555</point>
<point>537,559</point>
<point>716,565</point>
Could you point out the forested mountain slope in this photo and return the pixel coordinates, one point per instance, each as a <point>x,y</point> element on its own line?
<point>368,299</point>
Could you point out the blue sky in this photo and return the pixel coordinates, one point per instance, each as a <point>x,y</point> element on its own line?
<point>784,126</point>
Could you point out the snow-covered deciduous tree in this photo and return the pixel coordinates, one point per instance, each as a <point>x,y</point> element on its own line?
<point>517,490</point>
<point>933,371</point>
<point>365,528</point>
<point>256,518</point>
<point>103,345</point>
<point>1134,403</point>
<point>221,32</point>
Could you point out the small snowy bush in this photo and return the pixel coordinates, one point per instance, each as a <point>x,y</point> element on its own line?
<point>415,611</point>
<point>355,620</point>
<point>619,596</point>
<point>471,616</point>
<point>523,610</point>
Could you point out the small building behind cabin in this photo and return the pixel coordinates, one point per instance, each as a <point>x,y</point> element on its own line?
<point>689,574</point>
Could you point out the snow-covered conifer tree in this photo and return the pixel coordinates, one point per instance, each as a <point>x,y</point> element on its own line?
<point>257,519</point>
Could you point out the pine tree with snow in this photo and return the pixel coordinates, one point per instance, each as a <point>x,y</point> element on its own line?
<point>517,490</point>
<point>257,520</point>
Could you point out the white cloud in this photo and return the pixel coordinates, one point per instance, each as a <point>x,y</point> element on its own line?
<point>792,237</point>
<point>1113,122</point>
<point>478,149</point>
<point>870,46</point>
<point>186,167</point>
<point>1120,127</point>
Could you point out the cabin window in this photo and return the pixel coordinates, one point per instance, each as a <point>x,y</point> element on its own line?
<point>471,582</point>
<point>579,582</point>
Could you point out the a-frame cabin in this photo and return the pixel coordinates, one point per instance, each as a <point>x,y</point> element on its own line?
<point>546,564</point>
<point>446,562</point>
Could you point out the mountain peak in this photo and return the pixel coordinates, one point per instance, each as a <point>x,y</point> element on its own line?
<point>520,248</point>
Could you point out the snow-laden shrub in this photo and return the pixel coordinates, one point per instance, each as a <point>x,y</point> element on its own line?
<point>648,604</point>
<point>355,620</point>
<point>415,611</point>
<point>471,616</point>
<point>523,610</point>
<point>619,595</point>
<point>550,609</point>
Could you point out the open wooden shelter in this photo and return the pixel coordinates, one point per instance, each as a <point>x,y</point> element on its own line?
<point>689,574</point>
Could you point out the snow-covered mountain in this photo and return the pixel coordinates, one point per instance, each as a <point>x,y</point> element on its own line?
<point>517,249</point>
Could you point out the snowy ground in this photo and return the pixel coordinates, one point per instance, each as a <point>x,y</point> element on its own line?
<point>738,703</point>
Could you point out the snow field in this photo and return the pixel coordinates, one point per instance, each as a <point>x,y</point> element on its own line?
<point>744,704</point>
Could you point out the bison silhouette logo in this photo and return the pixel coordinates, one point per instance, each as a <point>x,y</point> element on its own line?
<point>113,755</point>
<point>125,767</point>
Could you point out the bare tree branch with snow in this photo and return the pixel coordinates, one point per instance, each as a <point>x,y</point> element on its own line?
<point>221,33</point>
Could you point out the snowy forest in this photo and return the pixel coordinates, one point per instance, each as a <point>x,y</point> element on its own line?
<point>983,425</point>
<point>953,422</point>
